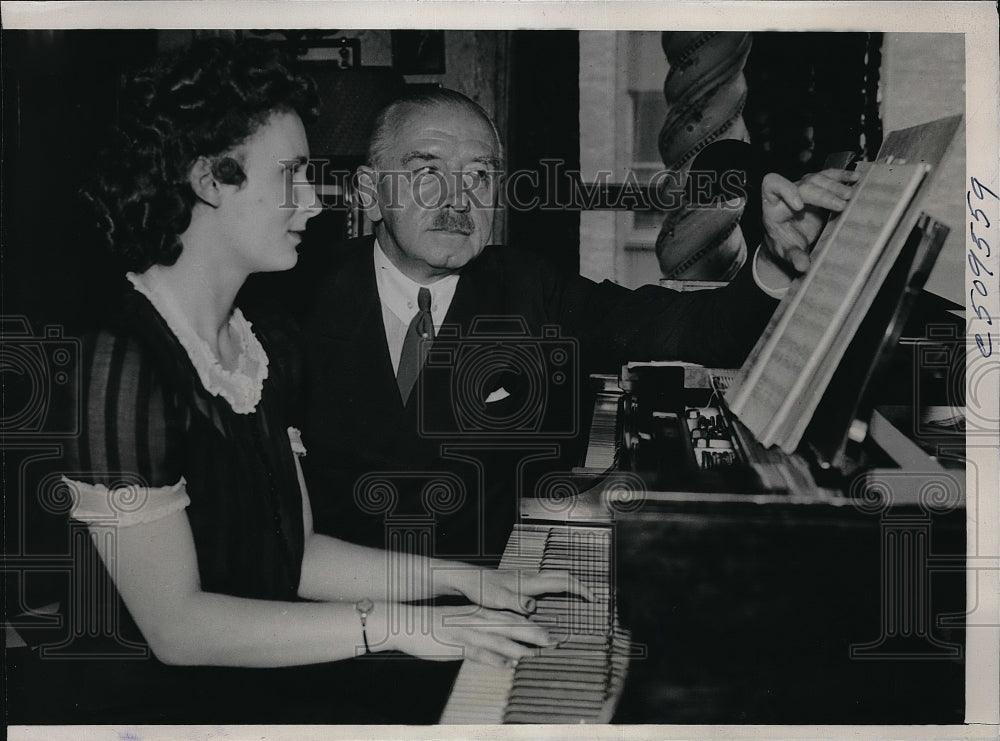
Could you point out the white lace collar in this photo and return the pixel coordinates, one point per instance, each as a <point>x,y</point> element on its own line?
<point>240,387</point>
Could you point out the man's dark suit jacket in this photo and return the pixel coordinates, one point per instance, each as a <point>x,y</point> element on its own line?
<point>444,472</point>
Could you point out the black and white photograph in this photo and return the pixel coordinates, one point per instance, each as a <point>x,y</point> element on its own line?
<point>416,370</point>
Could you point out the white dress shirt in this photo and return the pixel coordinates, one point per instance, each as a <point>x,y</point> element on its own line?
<point>398,296</point>
<point>776,283</point>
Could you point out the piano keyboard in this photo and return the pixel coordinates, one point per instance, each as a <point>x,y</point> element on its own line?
<point>578,681</point>
<point>602,449</point>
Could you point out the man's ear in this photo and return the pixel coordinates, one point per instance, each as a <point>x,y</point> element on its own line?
<point>366,182</point>
<point>203,182</point>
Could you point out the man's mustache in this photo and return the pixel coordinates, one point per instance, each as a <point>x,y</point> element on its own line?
<point>452,221</point>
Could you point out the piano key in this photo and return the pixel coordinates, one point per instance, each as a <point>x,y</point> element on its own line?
<point>540,717</point>
<point>530,703</point>
<point>556,691</point>
<point>567,661</point>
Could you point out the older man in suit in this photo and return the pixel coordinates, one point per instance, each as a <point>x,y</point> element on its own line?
<point>444,372</point>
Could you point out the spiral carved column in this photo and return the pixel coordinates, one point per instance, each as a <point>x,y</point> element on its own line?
<point>705,91</point>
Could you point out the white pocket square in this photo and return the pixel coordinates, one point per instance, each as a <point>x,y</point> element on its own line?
<point>499,395</point>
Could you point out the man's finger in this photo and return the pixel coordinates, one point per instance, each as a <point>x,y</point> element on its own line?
<point>841,190</point>
<point>841,176</point>
<point>798,258</point>
<point>776,188</point>
<point>788,252</point>
<point>825,194</point>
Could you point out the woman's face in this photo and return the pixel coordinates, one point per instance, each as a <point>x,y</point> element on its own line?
<point>265,216</point>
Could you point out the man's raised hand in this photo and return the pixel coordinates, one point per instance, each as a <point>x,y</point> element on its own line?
<point>794,213</point>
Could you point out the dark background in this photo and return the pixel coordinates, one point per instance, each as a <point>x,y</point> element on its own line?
<point>60,98</point>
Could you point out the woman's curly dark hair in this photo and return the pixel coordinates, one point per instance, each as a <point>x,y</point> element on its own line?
<point>203,103</point>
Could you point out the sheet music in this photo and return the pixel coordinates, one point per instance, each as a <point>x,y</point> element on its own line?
<point>889,209</point>
<point>805,406</point>
<point>824,307</point>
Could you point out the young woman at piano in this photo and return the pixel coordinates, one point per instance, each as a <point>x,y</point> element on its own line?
<point>187,472</point>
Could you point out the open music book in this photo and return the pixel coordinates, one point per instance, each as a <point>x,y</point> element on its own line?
<point>779,388</point>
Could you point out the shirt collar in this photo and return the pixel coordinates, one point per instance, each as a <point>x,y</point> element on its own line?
<point>399,293</point>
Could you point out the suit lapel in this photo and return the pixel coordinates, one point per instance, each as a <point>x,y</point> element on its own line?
<point>475,295</point>
<point>478,294</point>
<point>365,347</point>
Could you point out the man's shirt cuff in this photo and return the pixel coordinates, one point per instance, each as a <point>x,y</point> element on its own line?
<point>768,277</point>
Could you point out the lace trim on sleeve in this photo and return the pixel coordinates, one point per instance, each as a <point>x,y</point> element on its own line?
<point>126,505</point>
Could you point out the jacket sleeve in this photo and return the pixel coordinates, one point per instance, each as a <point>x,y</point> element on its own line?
<point>716,327</point>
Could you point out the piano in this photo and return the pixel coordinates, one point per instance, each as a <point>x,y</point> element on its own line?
<point>766,602</point>
<point>749,584</point>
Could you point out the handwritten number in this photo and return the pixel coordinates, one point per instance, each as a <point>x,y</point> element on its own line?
<point>978,188</point>
<point>980,242</point>
<point>976,212</point>
<point>977,265</point>
<point>980,310</point>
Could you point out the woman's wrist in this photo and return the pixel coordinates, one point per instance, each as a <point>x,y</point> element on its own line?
<point>364,607</point>
<point>373,631</point>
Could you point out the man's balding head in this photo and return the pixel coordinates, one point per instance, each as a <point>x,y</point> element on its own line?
<point>393,118</point>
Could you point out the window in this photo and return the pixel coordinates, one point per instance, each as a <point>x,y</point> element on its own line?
<point>621,112</point>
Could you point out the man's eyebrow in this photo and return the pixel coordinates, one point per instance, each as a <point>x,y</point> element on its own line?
<point>494,163</point>
<point>418,155</point>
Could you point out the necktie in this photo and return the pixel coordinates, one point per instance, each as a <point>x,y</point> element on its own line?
<point>415,346</point>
